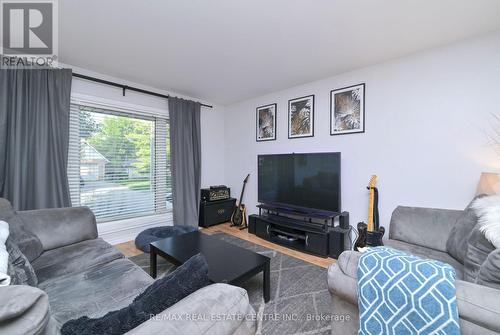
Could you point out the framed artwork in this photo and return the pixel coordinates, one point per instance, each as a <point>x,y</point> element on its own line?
<point>301,117</point>
<point>266,123</point>
<point>347,110</point>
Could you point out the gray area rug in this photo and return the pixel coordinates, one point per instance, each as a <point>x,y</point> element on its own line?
<point>299,293</point>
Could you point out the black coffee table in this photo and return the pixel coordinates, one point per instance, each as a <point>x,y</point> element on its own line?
<point>227,263</point>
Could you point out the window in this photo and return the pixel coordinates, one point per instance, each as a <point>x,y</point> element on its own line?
<point>119,163</point>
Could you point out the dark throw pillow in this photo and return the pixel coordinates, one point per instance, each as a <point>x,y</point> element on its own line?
<point>26,241</point>
<point>6,210</point>
<point>457,245</point>
<point>478,249</point>
<point>163,293</point>
<point>489,274</point>
<point>20,270</point>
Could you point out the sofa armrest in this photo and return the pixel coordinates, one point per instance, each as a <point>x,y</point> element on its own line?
<point>343,277</point>
<point>426,227</point>
<point>59,227</point>
<point>23,310</point>
<point>215,309</point>
<point>479,305</point>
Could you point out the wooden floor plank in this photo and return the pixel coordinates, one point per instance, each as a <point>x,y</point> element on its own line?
<point>128,249</point>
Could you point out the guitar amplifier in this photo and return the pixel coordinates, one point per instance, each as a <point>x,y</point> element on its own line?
<point>215,212</point>
<point>215,193</point>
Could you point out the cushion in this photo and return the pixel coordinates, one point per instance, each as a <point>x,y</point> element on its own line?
<point>59,227</point>
<point>26,241</point>
<point>154,234</point>
<point>478,249</point>
<point>424,252</point>
<point>478,305</point>
<point>456,245</point>
<point>6,209</point>
<point>488,211</point>
<point>163,293</point>
<point>407,224</point>
<point>489,274</point>
<point>74,258</point>
<point>96,291</point>
<point>20,270</point>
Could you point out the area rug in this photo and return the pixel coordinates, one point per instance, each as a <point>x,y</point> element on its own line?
<point>299,292</point>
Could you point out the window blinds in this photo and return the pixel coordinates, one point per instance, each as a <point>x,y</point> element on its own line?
<point>119,163</point>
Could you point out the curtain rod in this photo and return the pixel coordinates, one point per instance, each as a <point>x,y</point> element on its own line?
<point>125,87</point>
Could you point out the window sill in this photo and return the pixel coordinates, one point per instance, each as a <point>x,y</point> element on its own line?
<point>120,231</point>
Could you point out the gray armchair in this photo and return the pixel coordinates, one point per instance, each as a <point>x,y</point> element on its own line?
<point>422,232</point>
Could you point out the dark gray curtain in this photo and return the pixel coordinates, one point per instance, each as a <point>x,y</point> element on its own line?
<point>34,137</point>
<point>185,151</point>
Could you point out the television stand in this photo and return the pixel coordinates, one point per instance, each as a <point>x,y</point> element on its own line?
<point>307,231</point>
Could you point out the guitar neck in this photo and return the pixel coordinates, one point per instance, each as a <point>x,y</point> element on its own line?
<point>243,189</point>
<point>370,209</point>
<point>376,221</point>
<point>241,195</point>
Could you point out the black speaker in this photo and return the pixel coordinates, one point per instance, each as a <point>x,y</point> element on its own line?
<point>252,223</point>
<point>337,240</point>
<point>214,212</point>
<point>344,220</point>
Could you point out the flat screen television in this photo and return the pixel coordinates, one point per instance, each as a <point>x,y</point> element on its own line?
<point>308,181</point>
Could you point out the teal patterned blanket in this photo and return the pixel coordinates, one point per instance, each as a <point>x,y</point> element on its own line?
<point>402,294</point>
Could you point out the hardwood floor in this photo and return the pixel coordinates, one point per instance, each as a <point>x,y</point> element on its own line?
<point>129,249</point>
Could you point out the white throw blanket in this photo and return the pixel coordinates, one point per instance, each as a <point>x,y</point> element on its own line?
<point>4,255</point>
<point>488,211</point>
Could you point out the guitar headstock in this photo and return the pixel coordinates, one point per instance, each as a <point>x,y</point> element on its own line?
<point>373,182</point>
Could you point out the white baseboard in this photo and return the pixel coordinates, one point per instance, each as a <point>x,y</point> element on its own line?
<point>126,230</point>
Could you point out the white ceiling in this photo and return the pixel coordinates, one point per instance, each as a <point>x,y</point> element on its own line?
<point>225,51</point>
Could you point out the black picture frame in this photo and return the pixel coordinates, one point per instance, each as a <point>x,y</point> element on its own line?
<point>311,118</point>
<point>274,108</point>
<point>362,127</point>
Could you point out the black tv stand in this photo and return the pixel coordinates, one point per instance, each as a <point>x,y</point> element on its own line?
<point>303,230</point>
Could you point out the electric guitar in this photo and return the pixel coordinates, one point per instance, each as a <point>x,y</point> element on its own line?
<point>238,218</point>
<point>370,234</point>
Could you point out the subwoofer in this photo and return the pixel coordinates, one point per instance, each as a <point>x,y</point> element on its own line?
<point>252,223</point>
<point>344,220</point>
<point>337,240</point>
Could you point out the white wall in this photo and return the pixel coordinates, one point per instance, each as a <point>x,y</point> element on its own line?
<point>426,118</point>
<point>212,120</point>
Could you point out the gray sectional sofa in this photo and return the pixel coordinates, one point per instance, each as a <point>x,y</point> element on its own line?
<point>80,274</point>
<point>426,233</point>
